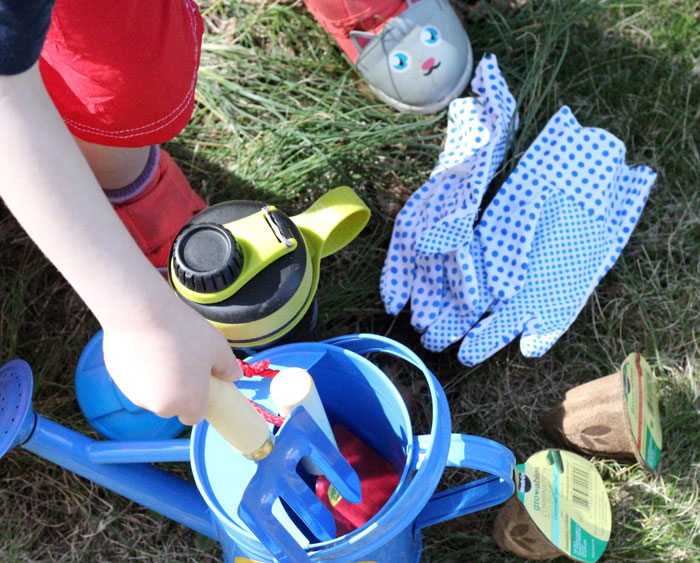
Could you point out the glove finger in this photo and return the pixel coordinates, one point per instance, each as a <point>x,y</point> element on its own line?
<point>466,132</point>
<point>470,289</point>
<point>634,187</point>
<point>534,343</point>
<point>449,234</point>
<point>448,330</point>
<point>494,108</point>
<point>638,182</point>
<point>447,197</point>
<point>490,86</point>
<point>452,324</point>
<point>458,173</point>
<point>426,297</point>
<point>476,142</point>
<point>507,230</point>
<point>447,320</point>
<point>398,273</point>
<point>396,282</point>
<point>491,334</point>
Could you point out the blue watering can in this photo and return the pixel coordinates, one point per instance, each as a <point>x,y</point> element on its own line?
<point>355,393</point>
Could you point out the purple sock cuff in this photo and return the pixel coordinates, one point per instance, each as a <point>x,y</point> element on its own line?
<point>120,195</point>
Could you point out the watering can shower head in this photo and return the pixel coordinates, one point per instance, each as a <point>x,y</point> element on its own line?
<point>252,271</point>
<point>16,413</point>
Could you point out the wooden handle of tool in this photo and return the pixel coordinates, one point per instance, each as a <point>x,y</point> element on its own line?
<point>292,387</point>
<point>236,420</point>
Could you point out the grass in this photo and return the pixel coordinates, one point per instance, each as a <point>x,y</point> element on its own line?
<point>281,117</point>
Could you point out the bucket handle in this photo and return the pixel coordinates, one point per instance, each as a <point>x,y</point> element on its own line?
<point>465,451</point>
<point>469,452</point>
<point>432,462</point>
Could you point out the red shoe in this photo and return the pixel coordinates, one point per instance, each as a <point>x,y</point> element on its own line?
<point>156,215</point>
<point>340,18</point>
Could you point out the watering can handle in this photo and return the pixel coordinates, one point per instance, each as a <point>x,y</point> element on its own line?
<point>368,343</point>
<point>469,452</point>
<point>237,421</point>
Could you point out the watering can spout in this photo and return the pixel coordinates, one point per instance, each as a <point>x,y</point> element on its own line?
<point>153,488</point>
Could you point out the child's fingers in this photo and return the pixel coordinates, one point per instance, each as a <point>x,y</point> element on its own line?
<point>225,365</point>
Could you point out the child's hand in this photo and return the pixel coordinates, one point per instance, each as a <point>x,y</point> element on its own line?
<point>160,352</point>
<point>164,365</point>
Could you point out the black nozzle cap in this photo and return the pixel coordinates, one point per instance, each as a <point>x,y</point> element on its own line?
<point>206,257</point>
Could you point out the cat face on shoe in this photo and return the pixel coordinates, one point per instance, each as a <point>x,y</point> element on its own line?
<point>421,56</point>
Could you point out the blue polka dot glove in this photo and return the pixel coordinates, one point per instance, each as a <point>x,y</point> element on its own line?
<point>439,217</point>
<point>554,229</point>
<point>457,316</point>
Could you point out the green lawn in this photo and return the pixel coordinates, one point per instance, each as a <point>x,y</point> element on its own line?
<point>281,117</point>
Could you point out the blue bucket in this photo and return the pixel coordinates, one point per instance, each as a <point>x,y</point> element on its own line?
<point>356,393</point>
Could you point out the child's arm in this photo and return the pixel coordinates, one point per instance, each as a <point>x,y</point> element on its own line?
<point>158,350</point>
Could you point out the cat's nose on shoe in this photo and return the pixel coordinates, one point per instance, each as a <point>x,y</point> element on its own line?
<point>430,63</point>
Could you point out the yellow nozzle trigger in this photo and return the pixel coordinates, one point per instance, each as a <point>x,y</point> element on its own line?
<point>261,243</point>
<point>332,221</point>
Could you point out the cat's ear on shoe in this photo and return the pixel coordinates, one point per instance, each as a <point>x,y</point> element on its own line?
<point>361,39</point>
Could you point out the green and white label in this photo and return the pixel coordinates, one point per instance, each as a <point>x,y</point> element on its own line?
<point>566,498</point>
<point>643,408</point>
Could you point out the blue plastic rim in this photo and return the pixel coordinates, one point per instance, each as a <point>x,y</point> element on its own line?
<point>16,420</point>
<point>108,410</point>
<point>359,395</point>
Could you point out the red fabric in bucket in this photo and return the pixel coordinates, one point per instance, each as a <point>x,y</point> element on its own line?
<point>377,478</point>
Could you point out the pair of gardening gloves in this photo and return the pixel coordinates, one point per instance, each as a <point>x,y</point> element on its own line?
<point>551,232</point>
